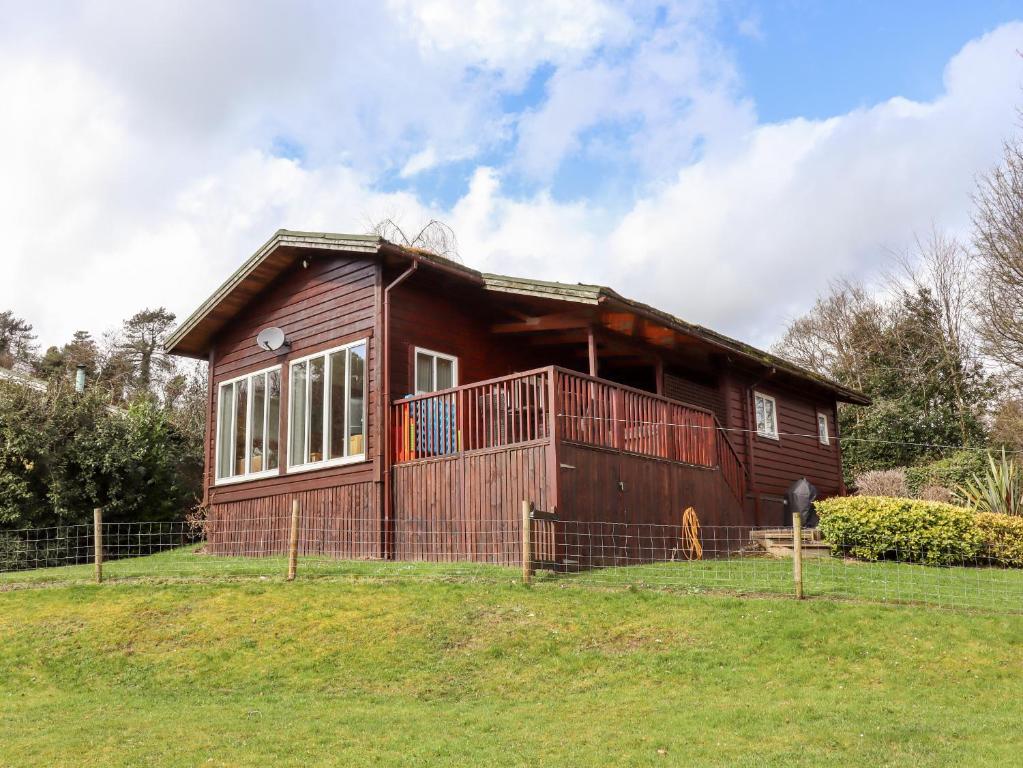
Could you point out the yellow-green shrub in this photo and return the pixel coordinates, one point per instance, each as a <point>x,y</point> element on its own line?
<point>1002,536</point>
<point>908,530</point>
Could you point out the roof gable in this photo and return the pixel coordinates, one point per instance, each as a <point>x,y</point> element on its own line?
<point>193,337</point>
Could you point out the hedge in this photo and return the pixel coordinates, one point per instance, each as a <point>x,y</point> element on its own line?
<point>1003,537</point>
<point>915,531</point>
<point>908,530</point>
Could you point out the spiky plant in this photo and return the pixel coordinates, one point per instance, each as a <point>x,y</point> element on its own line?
<point>1000,489</point>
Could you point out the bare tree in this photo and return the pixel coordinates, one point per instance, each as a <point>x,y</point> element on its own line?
<point>998,242</point>
<point>830,338</point>
<point>940,275</point>
<point>434,237</point>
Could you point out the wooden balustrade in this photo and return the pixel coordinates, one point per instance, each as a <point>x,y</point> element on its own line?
<point>595,412</point>
<point>487,414</point>
<point>517,409</point>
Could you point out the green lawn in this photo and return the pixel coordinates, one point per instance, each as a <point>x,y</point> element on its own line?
<point>995,589</point>
<point>347,670</point>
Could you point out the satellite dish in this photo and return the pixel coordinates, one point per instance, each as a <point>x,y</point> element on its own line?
<point>271,339</point>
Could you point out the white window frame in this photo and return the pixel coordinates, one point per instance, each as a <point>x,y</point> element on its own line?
<point>823,436</point>
<point>415,368</point>
<point>340,460</point>
<point>772,435</point>
<point>217,479</point>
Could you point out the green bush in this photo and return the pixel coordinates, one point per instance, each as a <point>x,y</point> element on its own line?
<point>1003,538</point>
<point>950,472</point>
<point>908,530</point>
<point>62,454</point>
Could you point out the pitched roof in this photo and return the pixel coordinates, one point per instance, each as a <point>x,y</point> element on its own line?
<point>191,338</point>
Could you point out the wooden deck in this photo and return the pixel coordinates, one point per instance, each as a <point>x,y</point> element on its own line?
<point>592,450</point>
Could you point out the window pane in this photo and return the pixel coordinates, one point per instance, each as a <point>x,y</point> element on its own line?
<point>338,371</point>
<point>769,417</point>
<point>316,403</point>
<point>357,396</point>
<point>226,439</point>
<point>256,414</point>
<point>273,420</point>
<point>240,408</point>
<point>424,373</point>
<point>761,420</point>
<point>296,420</point>
<point>445,373</point>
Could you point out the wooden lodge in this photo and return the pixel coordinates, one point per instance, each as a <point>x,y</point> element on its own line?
<point>415,402</point>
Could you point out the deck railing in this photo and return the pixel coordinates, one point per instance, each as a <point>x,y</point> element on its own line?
<point>517,409</point>
<point>595,412</point>
<point>487,414</point>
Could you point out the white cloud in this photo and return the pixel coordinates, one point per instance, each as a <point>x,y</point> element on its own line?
<point>126,183</point>
<point>512,37</point>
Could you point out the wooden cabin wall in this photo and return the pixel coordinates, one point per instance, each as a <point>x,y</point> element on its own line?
<point>695,390</point>
<point>334,301</point>
<point>796,453</point>
<point>444,318</point>
<point>468,507</point>
<point>618,508</point>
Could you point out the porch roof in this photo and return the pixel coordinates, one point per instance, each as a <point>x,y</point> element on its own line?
<point>193,337</point>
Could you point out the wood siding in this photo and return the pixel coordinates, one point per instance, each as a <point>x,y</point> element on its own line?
<point>340,521</point>
<point>468,507</point>
<point>424,314</point>
<point>332,302</point>
<point>692,389</point>
<point>620,509</point>
<point>796,453</point>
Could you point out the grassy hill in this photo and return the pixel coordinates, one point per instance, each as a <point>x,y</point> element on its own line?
<point>351,671</point>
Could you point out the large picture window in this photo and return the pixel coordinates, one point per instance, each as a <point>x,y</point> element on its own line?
<point>248,426</point>
<point>327,419</point>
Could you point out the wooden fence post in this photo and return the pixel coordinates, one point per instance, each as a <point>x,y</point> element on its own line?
<point>97,542</point>
<point>797,553</point>
<point>293,542</point>
<point>527,544</point>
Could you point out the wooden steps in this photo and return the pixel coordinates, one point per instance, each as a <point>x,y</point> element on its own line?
<point>777,542</point>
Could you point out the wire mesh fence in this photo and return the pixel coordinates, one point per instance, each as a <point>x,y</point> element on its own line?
<point>712,559</point>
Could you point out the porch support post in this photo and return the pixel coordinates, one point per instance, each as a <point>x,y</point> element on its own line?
<point>659,376</point>
<point>591,344</point>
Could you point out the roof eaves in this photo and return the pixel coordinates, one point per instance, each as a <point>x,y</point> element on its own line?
<point>578,292</point>
<point>282,237</point>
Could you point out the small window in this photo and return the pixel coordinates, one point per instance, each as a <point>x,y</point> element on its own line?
<point>248,426</point>
<point>767,416</point>
<point>822,429</point>
<point>435,371</point>
<point>326,424</point>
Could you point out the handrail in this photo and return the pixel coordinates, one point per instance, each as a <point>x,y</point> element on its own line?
<point>627,388</point>
<point>496,413</point>
<point>484,382</point>
<point>515,409</point>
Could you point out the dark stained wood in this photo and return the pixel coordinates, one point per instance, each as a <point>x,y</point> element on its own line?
<point>339,521</point>
<point>597,452</point>
<point>467,507</point>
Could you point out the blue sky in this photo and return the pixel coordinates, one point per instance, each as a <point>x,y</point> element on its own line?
<point>721,159</point>
<point>818,59</point>
<point>796,59</point>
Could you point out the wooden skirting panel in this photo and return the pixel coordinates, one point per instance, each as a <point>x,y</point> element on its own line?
<point>469,507</point>
<point>620,509</point>
<point>342,521</point>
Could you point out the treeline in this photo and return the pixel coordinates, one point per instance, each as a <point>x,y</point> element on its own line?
<point>936,342</point>
<point>132,442</point>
